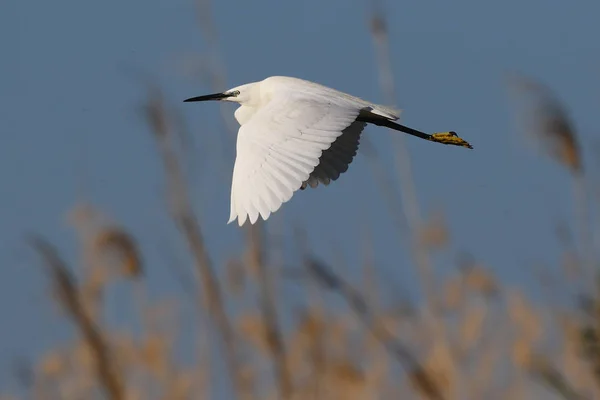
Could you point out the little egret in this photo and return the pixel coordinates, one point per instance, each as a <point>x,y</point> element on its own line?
<point>295,133</point>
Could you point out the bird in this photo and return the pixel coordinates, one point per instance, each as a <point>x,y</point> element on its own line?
<point>296,134</point>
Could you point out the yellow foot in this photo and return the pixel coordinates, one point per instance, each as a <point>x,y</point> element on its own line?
<point>450,138</point>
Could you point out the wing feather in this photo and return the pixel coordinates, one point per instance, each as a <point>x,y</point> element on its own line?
<point>279,148</point>
<point>335,160</point>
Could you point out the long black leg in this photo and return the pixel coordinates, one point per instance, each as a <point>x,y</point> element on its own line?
<point>445,137</point>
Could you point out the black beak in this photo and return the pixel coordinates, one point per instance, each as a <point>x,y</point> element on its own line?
<point>215,96</point>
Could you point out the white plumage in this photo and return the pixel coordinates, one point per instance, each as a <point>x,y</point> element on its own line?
<point>293,134</point>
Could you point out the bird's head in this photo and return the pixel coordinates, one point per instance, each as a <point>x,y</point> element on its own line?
<point>240,94</point>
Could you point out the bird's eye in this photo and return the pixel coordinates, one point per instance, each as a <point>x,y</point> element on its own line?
<point>236,92</point>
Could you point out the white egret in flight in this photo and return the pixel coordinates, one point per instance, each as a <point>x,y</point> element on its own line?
<point>295,133</point>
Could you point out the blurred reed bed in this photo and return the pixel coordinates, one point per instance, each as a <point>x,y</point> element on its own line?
<point>469,337</point>
<point>502,346</point>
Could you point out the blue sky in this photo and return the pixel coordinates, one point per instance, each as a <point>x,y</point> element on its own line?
<point>69,113</point>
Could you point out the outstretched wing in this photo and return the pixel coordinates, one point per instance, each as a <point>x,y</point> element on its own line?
<point>279,147</point>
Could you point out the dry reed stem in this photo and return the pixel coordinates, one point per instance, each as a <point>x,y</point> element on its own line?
<point>314,322</point>
<point>548,121</point>
<point>267,303</point>
<point>185,219</point>
<point>419,377</point>
<point>542,369</point>
<point>66,288</point>
<point>410,202</point>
